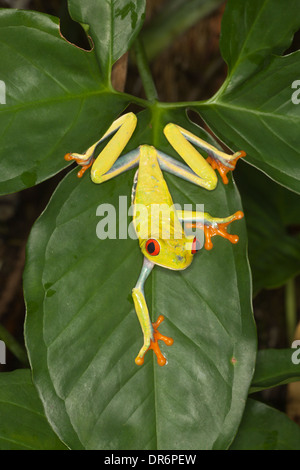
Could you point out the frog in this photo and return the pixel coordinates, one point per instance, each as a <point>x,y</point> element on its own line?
<point>164,240</point>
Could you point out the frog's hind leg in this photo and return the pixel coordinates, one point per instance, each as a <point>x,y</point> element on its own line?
<point>150,330</point>
<point>134,185</point>
<point>182,140</point>
<point>184,172</point>
<point>124,163</point>
<point>122,129</point>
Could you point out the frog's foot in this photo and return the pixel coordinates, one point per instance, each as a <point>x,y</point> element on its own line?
<point>157,336</point>
<point>215,227</point>
<point>84,160</point>
<point>224,166</point>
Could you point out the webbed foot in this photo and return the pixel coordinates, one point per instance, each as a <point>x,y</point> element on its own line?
<point>223,167</point>
<point>161,360</point>
<point>82,160</point>
<point>219,227</point>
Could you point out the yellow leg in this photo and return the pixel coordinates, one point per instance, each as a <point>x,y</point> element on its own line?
<point>123,129</point>
<point>191,156</point>
<point>150,332</point>
<point>144,319</point>
<point>182,141</point>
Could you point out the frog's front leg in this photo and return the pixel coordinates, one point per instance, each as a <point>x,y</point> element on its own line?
<point>151,334</point>
<point>122,129</point>
<point>181,141</point>
<point>211,226</point>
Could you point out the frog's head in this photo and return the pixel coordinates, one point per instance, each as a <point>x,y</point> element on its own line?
<point>174,254</point>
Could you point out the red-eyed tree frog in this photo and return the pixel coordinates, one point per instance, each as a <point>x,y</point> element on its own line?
<point>172,249</point>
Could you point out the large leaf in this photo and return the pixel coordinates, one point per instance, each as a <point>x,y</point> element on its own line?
<point>274,367</point>
<point>84,322</point>
<point>23,425</point>
<point>264,428</point>
<point>246,44</point>
<point>113,25</point>
<point>53,405</point>
<point>254,110</point>
<point>55,99</point>
<point>273,221</point>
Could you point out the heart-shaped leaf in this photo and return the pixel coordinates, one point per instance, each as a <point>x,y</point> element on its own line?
<point>254,110</point>
<point>88,335</point>
<point>55,98</point>
<point>246,43</point>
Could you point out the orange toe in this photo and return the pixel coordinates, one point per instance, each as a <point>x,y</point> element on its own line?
<point>221,230</point>
<point>139,361</point>
<point>223,169</point>
<point>161,360</point>
<point>157,336</point>
<point>84,168</point>
<point>68,157</point>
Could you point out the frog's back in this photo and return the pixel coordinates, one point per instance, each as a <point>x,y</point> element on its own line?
<point>151,189</point>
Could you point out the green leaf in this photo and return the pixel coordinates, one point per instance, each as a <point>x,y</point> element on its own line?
<point>254,110</point>
<point>274,367</point>
<point>55,99</point>
<point>114,24</point>
<point>260,118</point>
<point>272,217</point>
<point>264,428</point>
<point>34,295</point>
<point>23,425</point>
<point>253,30</point>
<point>88,333</point>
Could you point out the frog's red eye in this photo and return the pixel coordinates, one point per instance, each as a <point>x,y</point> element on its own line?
<point>195,246</point>
<point>152,247</point>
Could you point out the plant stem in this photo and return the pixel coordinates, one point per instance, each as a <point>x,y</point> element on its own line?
<point>144,71</point>
<point>290,309</point>
<point>13,345</point>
